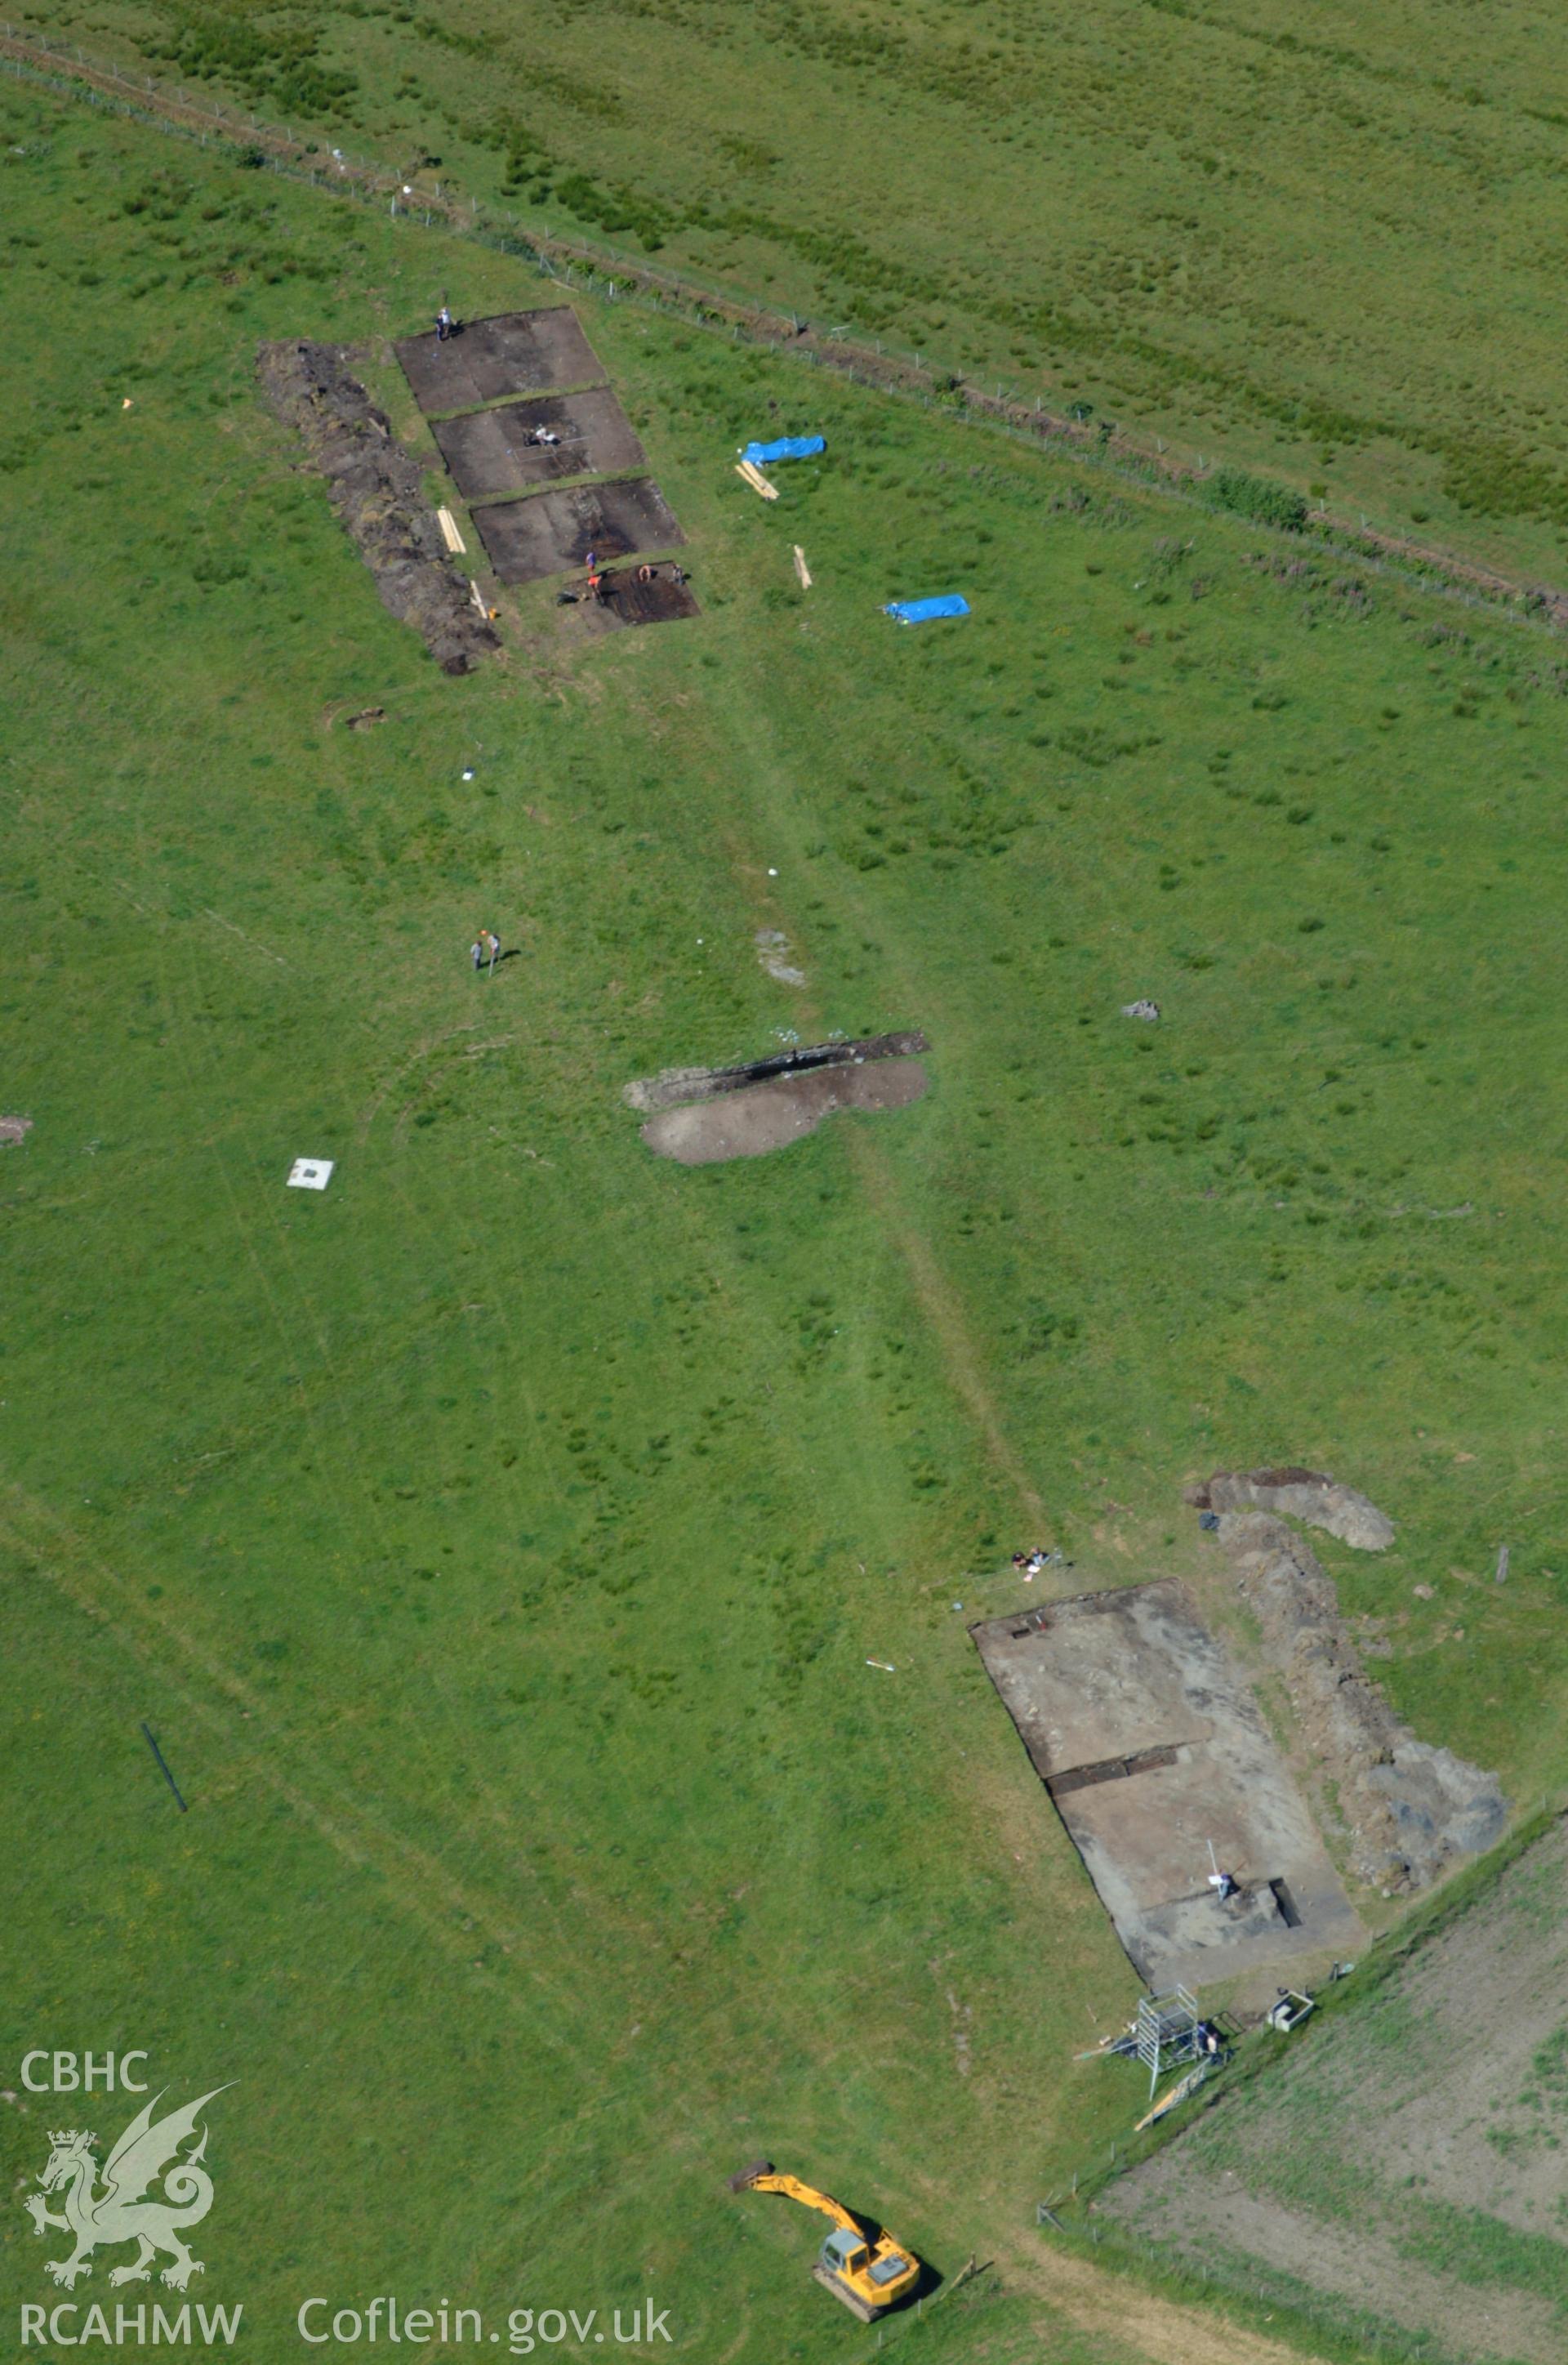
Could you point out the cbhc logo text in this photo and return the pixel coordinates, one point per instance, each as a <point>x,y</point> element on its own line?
<point>81,2073</point>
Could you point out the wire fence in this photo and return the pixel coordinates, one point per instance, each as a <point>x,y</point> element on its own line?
<point>969,2278</point>
<point>881,364</point>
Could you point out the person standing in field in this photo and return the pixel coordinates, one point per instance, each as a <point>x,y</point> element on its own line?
<point>486,949</point>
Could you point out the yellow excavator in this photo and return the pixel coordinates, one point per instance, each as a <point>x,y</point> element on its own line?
<point>864,2268</point>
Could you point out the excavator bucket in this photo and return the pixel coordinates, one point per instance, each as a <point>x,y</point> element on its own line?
<point>744,2176</point>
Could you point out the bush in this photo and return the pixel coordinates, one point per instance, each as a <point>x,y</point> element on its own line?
<point>615,210</point>
<point>1257,497</point>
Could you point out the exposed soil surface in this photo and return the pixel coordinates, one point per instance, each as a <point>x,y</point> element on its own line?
<point>661,601</point>
<point>554,531</point>
<point>1308,1495</point>
<point>490,453</point>
<point>760,1117</point>
<point>376,488</point>
<point>674,1086</point>
<point>513,352</point>
<point>1152,1748</point>
<point>1366,2165</point>
<point>15,1128</point>
<point>1411,1808</point>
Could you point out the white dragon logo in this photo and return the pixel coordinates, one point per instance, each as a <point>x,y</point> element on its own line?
<point>120,2212</point>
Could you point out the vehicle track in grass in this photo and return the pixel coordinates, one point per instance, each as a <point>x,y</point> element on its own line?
<point>1094,2299</point>
<point>949,1327</point>
<point>417,1881</point>
<point>871,1161</point>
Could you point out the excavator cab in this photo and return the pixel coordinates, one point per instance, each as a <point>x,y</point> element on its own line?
<point>869,2272</point>
<point>845,2254</point>
<point>865,2275</point>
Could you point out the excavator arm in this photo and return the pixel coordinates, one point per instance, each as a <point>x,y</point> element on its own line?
<point>768,2180</point>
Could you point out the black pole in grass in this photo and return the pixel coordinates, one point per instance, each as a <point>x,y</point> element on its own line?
<point>163,1769</point>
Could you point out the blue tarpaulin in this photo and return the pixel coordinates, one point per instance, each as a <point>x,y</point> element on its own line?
<point>788,448</point>
<point>915,612</point>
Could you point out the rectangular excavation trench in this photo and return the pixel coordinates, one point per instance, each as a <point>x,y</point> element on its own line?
<point>513,352</point>
<point>485,390</point>
<point>491,455</point>
<point>552,532</point>
<point>1151,1746</point>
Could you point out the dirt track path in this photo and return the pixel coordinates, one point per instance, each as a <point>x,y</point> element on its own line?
<point>940,1304</point>
<point>938,1301</point>
<point>1166,2331</point>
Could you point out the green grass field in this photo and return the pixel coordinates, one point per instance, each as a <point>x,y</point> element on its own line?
<point>536,1505</point>
<point>1323,246</point>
